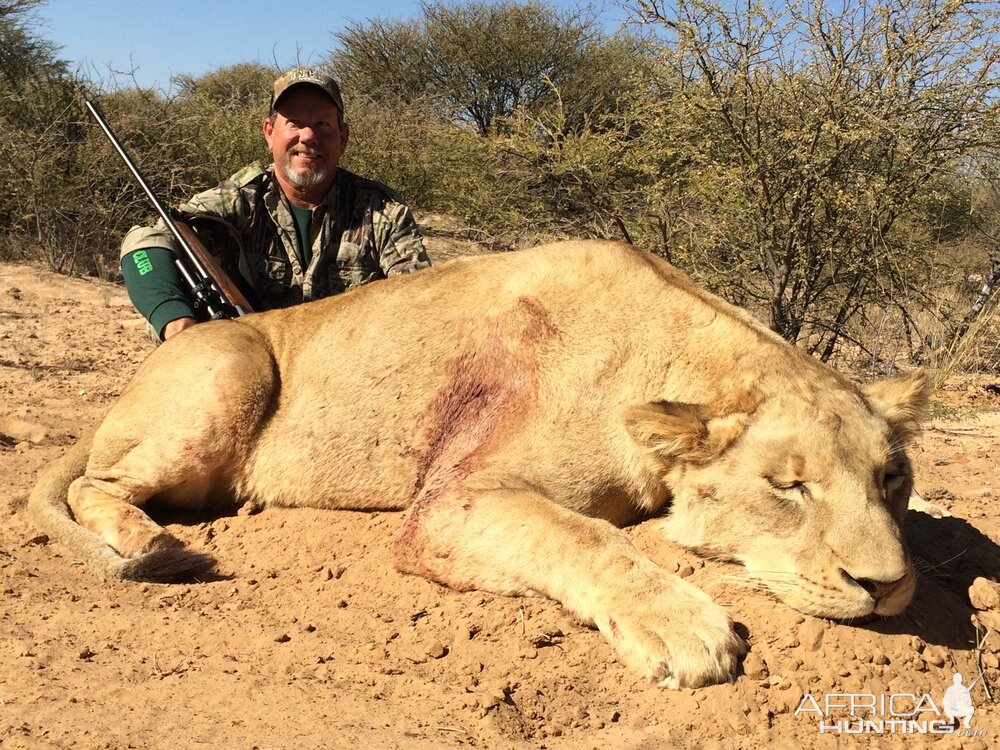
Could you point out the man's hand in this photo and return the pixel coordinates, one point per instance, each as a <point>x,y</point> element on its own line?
<point>176,326</point>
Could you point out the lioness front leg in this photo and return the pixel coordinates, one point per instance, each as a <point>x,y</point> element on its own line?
<point>517,542</point>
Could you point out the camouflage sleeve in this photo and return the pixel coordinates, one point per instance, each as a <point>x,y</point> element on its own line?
<point>224,201</point>
<point>400,244</point>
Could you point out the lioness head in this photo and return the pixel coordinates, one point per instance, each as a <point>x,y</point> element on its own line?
<point>806,489</point>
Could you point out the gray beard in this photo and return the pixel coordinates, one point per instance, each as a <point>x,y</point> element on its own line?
<point>305,178</point>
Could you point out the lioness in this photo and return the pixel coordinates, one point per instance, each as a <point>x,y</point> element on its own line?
<point>522,406</point>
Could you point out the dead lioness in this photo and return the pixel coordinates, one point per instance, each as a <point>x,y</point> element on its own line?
<point>522,406</point>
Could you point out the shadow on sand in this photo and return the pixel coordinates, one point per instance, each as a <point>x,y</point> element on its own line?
<point>949,554</point>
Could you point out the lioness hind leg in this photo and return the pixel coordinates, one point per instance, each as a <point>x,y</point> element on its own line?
<point>107,501</point>
<point>178,434</point>
<point>110,513</point>
<point>518,542</point>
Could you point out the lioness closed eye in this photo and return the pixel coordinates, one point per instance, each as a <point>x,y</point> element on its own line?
<point>521,407</point>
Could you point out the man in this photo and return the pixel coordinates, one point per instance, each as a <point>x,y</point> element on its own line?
<point>957,703</point>
<point>305,228</point>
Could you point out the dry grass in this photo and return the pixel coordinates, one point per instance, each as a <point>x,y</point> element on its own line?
<point>976,351</point>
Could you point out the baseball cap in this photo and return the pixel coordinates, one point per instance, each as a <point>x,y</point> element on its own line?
<point>307,77</point>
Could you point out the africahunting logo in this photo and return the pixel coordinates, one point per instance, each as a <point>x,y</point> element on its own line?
<point>895,713</point>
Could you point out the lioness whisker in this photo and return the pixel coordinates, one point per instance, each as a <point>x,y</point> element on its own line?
<point>924,566</point>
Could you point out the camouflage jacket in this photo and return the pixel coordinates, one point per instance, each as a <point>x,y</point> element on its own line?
<point>361,232</point>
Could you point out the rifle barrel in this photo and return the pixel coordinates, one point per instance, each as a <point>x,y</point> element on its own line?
<point>204,278</point>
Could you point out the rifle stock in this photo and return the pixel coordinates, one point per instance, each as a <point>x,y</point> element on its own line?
<point>213,293</point>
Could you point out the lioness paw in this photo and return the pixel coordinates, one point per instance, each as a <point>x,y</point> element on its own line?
<point>137,541</point>
<point>675,635</point>
<point>920,505</point>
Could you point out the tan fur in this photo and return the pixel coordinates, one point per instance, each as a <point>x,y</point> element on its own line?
<point>521,407</point>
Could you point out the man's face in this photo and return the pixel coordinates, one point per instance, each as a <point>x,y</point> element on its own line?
<point>306,139</point>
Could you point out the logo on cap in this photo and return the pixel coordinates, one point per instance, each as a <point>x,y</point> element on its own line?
<point>307,77</point>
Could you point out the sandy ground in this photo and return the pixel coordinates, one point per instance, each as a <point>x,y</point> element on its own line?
<point>310,639</point>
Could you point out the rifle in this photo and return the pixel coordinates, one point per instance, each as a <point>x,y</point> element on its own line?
<point>212,291</point>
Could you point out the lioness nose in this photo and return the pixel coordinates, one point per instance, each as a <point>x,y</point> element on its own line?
<point>870,586</point>
<point>877,590</point>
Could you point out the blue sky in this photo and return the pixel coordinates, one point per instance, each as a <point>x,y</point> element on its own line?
<point>160,38</point>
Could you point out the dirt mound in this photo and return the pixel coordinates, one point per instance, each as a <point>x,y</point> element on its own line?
<point>310,639</point>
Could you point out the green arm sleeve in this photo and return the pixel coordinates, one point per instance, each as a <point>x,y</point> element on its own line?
<point>155,286</point>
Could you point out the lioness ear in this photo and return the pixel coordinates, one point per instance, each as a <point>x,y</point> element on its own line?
<point>684,432</point>
<point>902,402</point>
